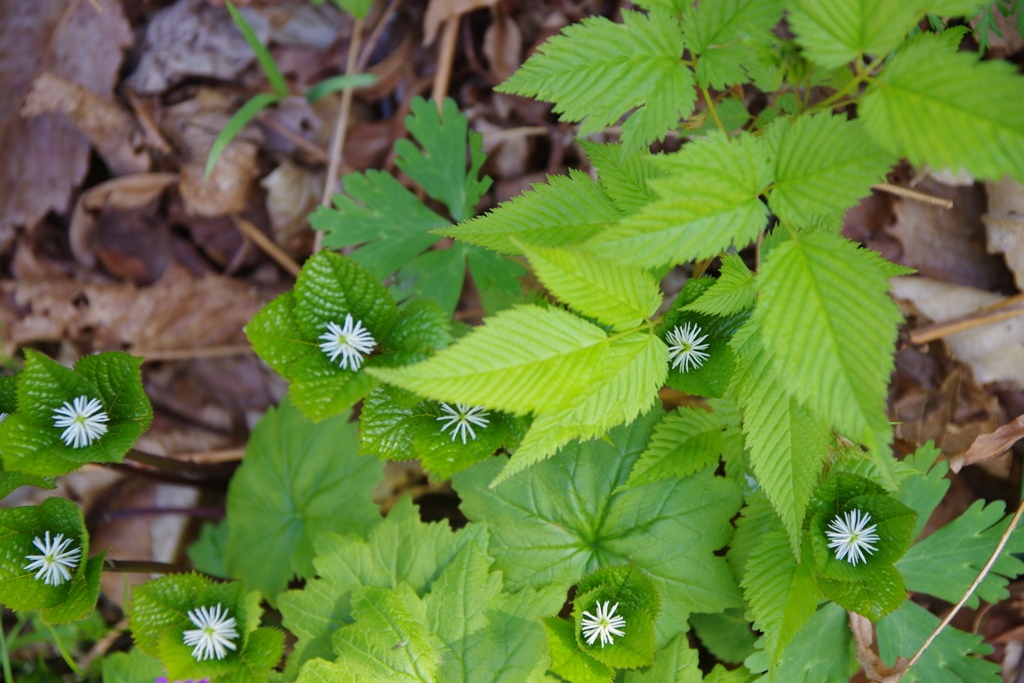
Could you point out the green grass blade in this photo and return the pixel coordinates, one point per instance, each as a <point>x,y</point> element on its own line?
<point>336,83</point>
<point>263,56</point>
<point>237,123</point>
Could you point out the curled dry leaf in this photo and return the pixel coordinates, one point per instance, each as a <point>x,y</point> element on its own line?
<point>874,668</point>
<point>194,38</point>
<point>292,192</point>
<point>439,11</point>
<point>111,129</point>
<point>995,352</point>
<point>503,45</point>
<point>1005,224</point>
<point>74,41</point>
<point>990,446</point>
<point>122,194</point>
<point>178,311</point>
<point>226,190</point>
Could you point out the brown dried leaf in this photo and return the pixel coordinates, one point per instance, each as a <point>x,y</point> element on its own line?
<point>989,446</point>
<point>292,192</point>
<point>227,188</point>
<point>875,669</point>
<point>193,38</point>
<point>1005,224</point>
<point>111,129</point>
<point>503,46</point>
<point>439,11</point>
<point>74,41</point>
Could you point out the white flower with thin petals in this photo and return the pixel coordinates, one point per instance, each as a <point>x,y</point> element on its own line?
<point>604,625</point>
<point>685,347</point>
<point>851,537</point>
<point>462,418</point>
<point>214,632</point>
<point>56,560</point>
<point>352,342</point>
<point>4,416</point>
<point>83,419</point>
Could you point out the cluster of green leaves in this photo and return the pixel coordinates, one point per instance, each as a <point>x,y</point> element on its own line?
<point>393,228</point>
<point>159,617</point>
<point>279,86</point>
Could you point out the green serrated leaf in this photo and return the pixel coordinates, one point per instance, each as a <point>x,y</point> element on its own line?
<point>946,563</point>
<point>709,201</point>
<point>298,480</point>
<point>822,652</point>
<point>596,71</point>
<point>951,658</point>
<point>924,490</point>
<point>379,213</point>
<point>756,519</point>
<point>620,296</point>
<point>208,552</point>
<point>781,592</point>
<point>726,635</point>
<point>668,528</point>
<point>823,164</point>
<point>564,210</point>
<point>714,30</point>
<point>513,363</point>
<point>623,174</point>
<point>934,106</point>
<point>827,320</point>
<point>133,666</point>
<point>442,454</point>
<point>440,166</point>
<point>636,600</point>
<point>835,33</point>
<point>733,292</point>
<point>399,549</point>
<point>568,659</point>
<point>82,595</point>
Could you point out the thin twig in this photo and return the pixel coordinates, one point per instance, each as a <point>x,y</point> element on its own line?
<point>340,129</point>
<point>911,194</point>
<point>212,457</point>
<point>162,462</point>
<point>97,5</point>
<point>206,513</point>
<point>199,352</point>
<point>266,244</point>
<point>1004,310</point>
<point>143,567</point>
<point>378,31</point>
<point>314,152</point>
<point>445,57</point>
<point>714,112</point>
<point>981,577</point>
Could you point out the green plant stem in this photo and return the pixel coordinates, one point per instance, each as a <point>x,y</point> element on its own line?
<point>711,108</point>
<point>68,659</point>
<point>4,658</point>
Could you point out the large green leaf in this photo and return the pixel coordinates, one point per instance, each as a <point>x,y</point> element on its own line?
<point>727,635</point>
<point>822,652</point>
<point>935,106</point>
<point>835,32</point>
<point>623,174</point>
<point>951,658</point>
<point>524,359</point>
<point>827,320</point>
<point>564,210</point>
<point>733,292</point>
<point>669,528</point>
<point>298,480</point>
<point>440,166</point>
<point>597,70</point>
<point>714,31</point>
<point>824,164</point>
<point>709,201</point>
<point>620,296</point>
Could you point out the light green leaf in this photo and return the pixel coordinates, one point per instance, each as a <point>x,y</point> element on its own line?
<point>684,442</point>
<point>133,666</point>
<point>709,201</point>
<point>81,599</point>
<point>596,71</point>
<point>822,652</point>
<point>726,635</point>
<point>357,8</point>
<point>949,659</point>
<point>623,174</point>
<point>714,31</point>
<point>669,528</point>
<point>338,83</point>
<point>568,659</point>
<point>637,602</point>
<point>829,324</point>
<point>781,592</point>
<point>823,164</point>
<point>835,32</point>
<point>641,365</point>
<point>564,210</point>
<point>756,519</point>
<point>238,121</point>
<point>674,663</point>
<point>733,292</point>
<point>379,213</point>
<point>298,480</point>
<point>934,106</point>
<point>788,446</point>
<point>620,296</point>
<point>208,552</point>
<point>263,56</point>
<point>925,489</point>
<point>440,167</point>
<point>946,563</point>
<point>399,549</point>
<point>523,359</point>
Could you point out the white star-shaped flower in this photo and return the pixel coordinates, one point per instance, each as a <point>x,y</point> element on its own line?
<point>851,537</point>
<point>4,416</point>
<point>604,625</point>
<point>55,561</point>
<point>214,632</point>
<point>84,419</point>
<point>352,342</point>
<point>685,347</point>
<point>463,417</point>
